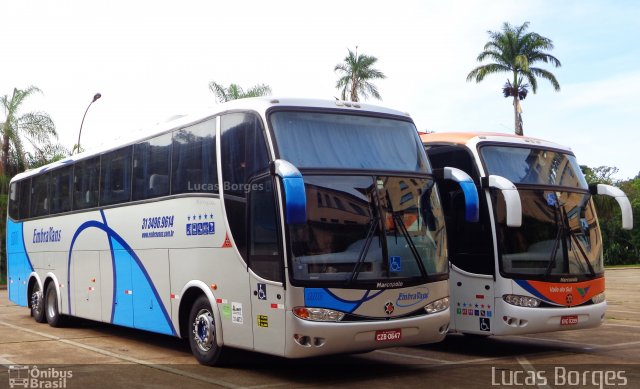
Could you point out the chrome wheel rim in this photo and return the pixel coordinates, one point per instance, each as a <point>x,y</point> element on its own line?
<point>203,330</point>
<point>36,302</point>
<point>51,305</point>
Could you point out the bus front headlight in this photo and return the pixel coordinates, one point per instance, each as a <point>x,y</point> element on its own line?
<point>438,305</point>
<point>599,298</point>
<point>521,301</point>
<point>318,314</point>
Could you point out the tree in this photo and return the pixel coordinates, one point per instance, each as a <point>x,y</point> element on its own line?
<point>514,51</point>
<point>356,72</point>
<point>234,91</point>
<point>33,128</point>
<point>23,136</point>
<point>620,246</point>
<point>46,155</point>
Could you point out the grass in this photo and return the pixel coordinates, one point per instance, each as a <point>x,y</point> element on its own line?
<point>622,266</point>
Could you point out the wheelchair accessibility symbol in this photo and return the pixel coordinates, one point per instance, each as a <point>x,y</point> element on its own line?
<point>262,291</point>
<point>485,324</point>
<point>395,264</point>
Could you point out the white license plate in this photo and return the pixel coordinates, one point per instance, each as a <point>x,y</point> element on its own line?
<point>568,320</point>
<point>388,335</point>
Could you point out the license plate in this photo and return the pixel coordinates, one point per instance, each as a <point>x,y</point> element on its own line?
<point>388,335</point>
<point>568,320</point>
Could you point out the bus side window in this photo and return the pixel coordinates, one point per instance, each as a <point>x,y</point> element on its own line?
<point>25,198</point>
<point>116,177</point>
<point>86,177</point>
<point>151,160</point>
<point>41,202</point>
<point>14,205</point>
<point>194,159</point>
<point>264,253</point>
<point>470,244</point>
<point>61,189</point>
<point>244,154</point>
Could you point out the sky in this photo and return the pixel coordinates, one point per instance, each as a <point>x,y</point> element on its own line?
<point>152,60</point>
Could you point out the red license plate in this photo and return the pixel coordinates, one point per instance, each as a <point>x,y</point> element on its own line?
<point>388,335</point>
<point>568,320</point>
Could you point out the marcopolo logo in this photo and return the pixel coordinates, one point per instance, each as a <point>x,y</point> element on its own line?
<point>46,236</point>
<point>407,299</point>
<point>33,377</point>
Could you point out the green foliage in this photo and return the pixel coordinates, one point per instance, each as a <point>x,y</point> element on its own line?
<point>620,246</point>
<point>22,132</point>
<point>356,73</point>
<point>235,92</point>
<point>514,51</point>
<point>46,155</point>
<point>26,142</point>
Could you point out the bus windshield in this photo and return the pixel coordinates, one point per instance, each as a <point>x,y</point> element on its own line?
<point>339,141</point>
<point>522,165</point>
<point>369,229</point>
<point>559,236</point>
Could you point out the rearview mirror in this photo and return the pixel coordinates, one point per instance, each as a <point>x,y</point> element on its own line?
<point>295,198</point>
<point>471,201</point>
<point>511,198</point>
<point>621,198</point>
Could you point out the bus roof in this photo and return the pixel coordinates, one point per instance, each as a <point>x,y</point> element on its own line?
<point>258,104</point>
<point>471,139</point>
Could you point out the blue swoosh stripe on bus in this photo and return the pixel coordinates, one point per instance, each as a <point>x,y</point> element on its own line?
<point>15,260</point>
<point>113,264</point>
<point>524,284</point>
<point>112,234</point>
<point>366,298</point>
<point>324,298</point>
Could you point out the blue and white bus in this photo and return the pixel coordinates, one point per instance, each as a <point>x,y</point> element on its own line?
<point>290,227</point>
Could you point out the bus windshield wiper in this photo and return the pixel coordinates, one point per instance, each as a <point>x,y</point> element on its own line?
<point>583,255</point>
<point>556,243</point>
<point>574,236</point>
<point>364,250</point>
<point>399,224</point>
<point>565,232</point>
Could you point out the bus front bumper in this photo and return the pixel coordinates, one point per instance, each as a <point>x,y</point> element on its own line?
<point>514,320</point>
<point>306,338</point>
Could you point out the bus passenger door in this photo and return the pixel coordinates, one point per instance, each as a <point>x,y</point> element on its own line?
<point>472,298</point>
<point>266,268</point>
<point>87,285</point>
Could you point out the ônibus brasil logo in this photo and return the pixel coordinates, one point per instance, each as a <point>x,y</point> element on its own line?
<point>24,376</point>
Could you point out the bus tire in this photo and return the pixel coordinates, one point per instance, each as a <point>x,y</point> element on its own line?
<point>202,333</point>
<point>51,309</point>
<point>37,304</point>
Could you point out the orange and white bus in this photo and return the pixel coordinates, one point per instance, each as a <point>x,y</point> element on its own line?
<point>534,261</point>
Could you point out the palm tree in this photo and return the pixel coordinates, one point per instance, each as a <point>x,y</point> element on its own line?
<point>514,51</point>
<point>32,128</point>
<point>356,72</point>
<point>234,91</point>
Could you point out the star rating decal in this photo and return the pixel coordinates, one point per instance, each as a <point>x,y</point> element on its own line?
<point>204,216</point>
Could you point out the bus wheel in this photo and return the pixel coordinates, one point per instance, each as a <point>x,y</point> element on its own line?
<point>202,333</point>
<point>51,310</point>
<point>37,304</point>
